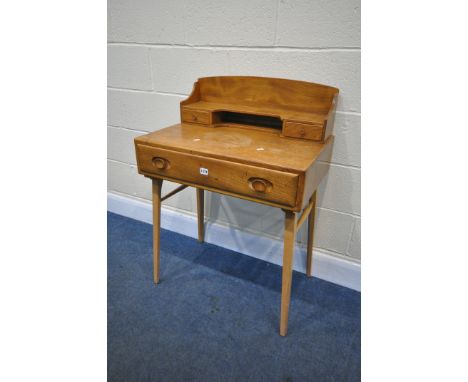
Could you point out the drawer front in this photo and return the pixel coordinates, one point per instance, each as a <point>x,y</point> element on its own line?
<point>195,116</point>
<point>303,130</point>
<point>255,182</point>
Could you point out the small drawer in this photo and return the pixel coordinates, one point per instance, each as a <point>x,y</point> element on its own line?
<point>195,116</point>
<point>314,132</point>
<point>252,182</point>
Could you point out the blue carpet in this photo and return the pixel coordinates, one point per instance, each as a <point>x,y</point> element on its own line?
<point>215,315</point>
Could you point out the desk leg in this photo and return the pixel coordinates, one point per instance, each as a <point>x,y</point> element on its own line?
<point>201,214</point>
<point>157,185</point>
<point>288,255</point>
<point>310,235</point>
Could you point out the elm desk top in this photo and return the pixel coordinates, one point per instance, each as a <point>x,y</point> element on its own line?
<point>265,140</point>
<point>242,145</point>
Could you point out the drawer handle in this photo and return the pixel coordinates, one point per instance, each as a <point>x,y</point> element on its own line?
<point>194,118</point>
<point>260,185</point>
<point>160,163</point>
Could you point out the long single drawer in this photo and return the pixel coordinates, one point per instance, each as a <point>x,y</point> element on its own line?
<point>255,182</point>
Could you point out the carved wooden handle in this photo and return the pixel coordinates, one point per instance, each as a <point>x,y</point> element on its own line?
<point>260,185</point>
<point>160,163</point>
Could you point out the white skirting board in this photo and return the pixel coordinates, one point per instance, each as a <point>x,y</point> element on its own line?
<point>325,266</point>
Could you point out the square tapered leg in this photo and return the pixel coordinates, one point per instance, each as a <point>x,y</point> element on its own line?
<point>288,256</point>
<point>201,214</point>
<point>157,185</point>
<point>310,235</point>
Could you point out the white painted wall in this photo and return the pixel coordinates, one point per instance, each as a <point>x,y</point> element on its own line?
<point>157,50</point>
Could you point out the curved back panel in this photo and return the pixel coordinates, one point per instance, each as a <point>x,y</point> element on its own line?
<point>291,94</point>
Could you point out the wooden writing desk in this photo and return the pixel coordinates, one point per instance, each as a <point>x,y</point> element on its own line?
<point>266,140</point>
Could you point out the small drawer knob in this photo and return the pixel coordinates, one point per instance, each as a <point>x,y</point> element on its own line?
<point>260,185</point>
<point>194,117</point>
<point>160,163</point>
